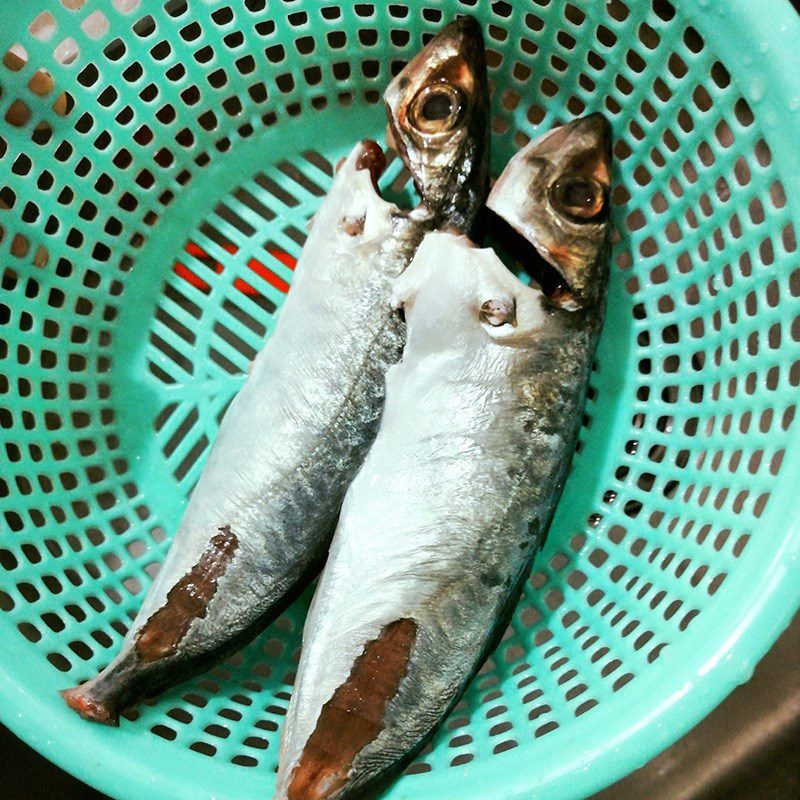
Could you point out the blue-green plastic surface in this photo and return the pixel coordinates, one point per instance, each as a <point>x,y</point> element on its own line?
<point>158,163</point>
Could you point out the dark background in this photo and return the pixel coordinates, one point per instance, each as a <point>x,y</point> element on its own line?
<point>748,749</point>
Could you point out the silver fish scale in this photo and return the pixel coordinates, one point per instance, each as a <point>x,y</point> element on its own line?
<point>291,441</point>
<point>441,524</point>
<point>285,522</point>
<point>526,455</point>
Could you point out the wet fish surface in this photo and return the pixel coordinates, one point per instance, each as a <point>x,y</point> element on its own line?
<point>439,528</point>
<point>260,519</point>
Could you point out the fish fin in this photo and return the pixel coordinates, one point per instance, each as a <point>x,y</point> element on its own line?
<point>80,700</point>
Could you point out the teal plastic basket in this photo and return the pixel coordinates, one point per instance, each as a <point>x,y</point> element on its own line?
<point>158,163</point>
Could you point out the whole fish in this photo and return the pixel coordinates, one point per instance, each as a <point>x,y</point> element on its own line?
<point>260,519</point>
<point>439,528</point>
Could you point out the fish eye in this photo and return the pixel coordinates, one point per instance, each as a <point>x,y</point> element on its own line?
<point>436,108</point>
<point>579,197</point>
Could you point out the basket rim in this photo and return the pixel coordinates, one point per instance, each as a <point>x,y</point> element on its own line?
<point>92,754</point>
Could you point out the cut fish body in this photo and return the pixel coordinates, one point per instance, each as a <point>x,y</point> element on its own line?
<point>287,448</point>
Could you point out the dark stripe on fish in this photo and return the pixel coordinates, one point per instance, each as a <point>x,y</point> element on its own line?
<point>187,600</point>
<point>354,716</point>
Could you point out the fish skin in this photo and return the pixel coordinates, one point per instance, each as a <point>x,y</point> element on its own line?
<point>442,522</point>
<point>290,443</point>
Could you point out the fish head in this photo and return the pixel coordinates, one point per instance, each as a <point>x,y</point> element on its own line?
<point>555,192</point>
<point>438,112</point>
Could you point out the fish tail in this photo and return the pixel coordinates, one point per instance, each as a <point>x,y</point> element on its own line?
<point>92,704</point>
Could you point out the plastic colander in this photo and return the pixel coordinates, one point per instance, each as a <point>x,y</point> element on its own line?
<point>158,163</point>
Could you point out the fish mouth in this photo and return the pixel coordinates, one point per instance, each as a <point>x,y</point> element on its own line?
<point>462,31</point>
<point>525,253</point>
<point>551,210</point>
